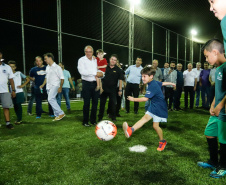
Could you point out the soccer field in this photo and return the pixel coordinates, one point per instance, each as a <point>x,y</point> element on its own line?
<point>65,152</point>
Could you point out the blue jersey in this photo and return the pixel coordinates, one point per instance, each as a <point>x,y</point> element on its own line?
<point>39,73</point>
<point>158,105</point>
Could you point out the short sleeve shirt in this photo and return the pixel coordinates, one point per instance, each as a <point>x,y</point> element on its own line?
<point>67,75</point>
<point>158,104</point>
<point>102,63</point>
<point>220,89</point>
<point>6,73</point>
<point>39,73</point>
<point>18,76</point>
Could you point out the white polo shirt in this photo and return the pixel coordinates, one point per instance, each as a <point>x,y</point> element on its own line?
<point>87,68</point>
<point>17,81</point>
<point>54,74</point>
<point>6,73</point>
<point>189,78</point>
<point>197,73</point>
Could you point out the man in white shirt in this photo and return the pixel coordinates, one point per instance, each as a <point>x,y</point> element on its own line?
<point>190,82</point>
<point>54,81</point>
<point>6,74</point>
<point>87,67</point>
<point>197,70</point>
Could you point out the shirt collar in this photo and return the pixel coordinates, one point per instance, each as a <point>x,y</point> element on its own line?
<point>53,65</point>
<point>3,64</point>
<point>88,59</point>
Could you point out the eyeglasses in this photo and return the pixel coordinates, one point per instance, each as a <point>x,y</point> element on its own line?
<point>88,51</point>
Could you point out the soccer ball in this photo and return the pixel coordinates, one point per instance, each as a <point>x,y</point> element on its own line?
<point>106,130</point>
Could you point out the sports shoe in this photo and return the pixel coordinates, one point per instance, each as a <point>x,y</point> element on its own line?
<point>127,130</point>
<point>218,173</point>
<point>29,114</point>
<point>10,126</point>
<point>86,125</point>
<point>58,118</point>
<point>38,117</point>
<point>162,146</point>
<point>205,165</point>
<point>52,116</point>
<point>18,122</point>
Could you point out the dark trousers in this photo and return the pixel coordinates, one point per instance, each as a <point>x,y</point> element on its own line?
<point>205,93</point>
<point>212,93</point>
<point>18,111</point>
<point>112,102</point>
<point>119,101</point>
<point>169,94</point>
<point>38,98</point>
<point>89,93</point>
<point>31,101</point>
<point>132,90</point>
<point>189,90</point>
<point>177,96</point>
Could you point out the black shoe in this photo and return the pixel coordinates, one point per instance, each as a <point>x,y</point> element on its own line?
<point>176,109</point>
<point>180,108</point>
<point>118,115</point>
<point>10,126</point>
<point>94,124</point>
<point>135,112</point>
<point>127,112</point>
<point>86,125</point>
<point>170,109</point>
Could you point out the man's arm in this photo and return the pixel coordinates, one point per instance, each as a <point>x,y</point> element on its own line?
<point>83,70</point>
<point>13,87</point>
<point>73,87</point>
<point>41,86</point>
<point>25,83</point>
<point>200,81</point>
<point>195,84</point>
<point>143,99</point>
<point>120,88</point>
<point>168,83</point>
<point>61,85</point>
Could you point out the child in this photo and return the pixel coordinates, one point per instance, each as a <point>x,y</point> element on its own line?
<point>216,126</point>
<point>19,99</point>
<point>101,65</point>
<point>157,110</point>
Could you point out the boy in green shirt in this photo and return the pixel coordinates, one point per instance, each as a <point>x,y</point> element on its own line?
<point>216,127</point>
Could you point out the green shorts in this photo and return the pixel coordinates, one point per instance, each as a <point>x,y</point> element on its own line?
<point>216,128</point>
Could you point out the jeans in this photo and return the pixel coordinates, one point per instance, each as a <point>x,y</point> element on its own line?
<point>31,101</point>
<point>88,93</point>
<point>177,96</point>
<point>65,92</point>
<point>205,93</point>
<point>197,92</point>
<point>132,89</point>
<point>38,98</point>
<point>190,90</point>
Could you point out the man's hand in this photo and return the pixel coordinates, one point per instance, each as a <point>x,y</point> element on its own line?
<point>212,83</point>
<point>194,88</point>
<point>120,93</point>
<point>212,111</point>
<point>130,98</point>
<point>41,86</point>
<point>60,90</point>
<point>99,74</point>
<point>174,88</point>
<point>73,88</point>
<point>200,84</point>
<point>13,94</point>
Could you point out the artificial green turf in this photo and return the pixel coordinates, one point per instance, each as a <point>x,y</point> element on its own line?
<point>65,152</point>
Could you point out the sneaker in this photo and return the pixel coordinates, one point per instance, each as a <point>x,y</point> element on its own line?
<point>18,122</point>
<point>205,165</point>
<point>29,114</point>
<point>220,172</point>
<point>52,116</point>
<point>127,129</point>
<point>58,118</point>
<point>10,126</point>
<point>38,117</point>
<point>162,146</point>
<point>86,125</point>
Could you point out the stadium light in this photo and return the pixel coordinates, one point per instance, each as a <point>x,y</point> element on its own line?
<point>134,2</point>
<point>193,32</point>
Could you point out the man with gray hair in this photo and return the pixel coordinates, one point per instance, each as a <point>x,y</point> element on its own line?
<point>197,70</point>
<point>158,75</point>
<point>87,67</point>
<point>170,75</point>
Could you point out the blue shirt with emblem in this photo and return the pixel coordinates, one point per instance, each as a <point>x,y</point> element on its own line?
<point>158,105</point>
<point>39,73</point>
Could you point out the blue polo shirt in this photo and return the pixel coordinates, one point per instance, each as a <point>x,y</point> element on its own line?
<point>134,74</point>
<point>67,75</point>
<point>158,105</point>
<point>39,73</point>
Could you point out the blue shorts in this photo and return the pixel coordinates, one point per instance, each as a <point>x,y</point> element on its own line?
<point>156,118</point>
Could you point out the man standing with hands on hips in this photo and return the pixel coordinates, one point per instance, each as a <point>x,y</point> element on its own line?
<point>54,81</point>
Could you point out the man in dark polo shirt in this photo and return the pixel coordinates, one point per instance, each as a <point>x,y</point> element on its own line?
<point>113,74</point>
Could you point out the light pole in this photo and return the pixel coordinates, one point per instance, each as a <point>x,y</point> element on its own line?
<point>131,29</point>
<point>193,33</point>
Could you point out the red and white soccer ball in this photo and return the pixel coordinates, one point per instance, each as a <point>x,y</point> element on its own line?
<point>106,130</point>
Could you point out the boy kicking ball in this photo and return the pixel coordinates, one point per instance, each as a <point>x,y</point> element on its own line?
<point>216,127</point>
<point>157,110</point>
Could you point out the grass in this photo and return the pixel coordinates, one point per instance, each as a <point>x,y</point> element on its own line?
<point>65,152</point>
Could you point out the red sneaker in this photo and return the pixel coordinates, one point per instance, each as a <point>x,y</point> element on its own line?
<point>162,146</point>
<point>127,129</point>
